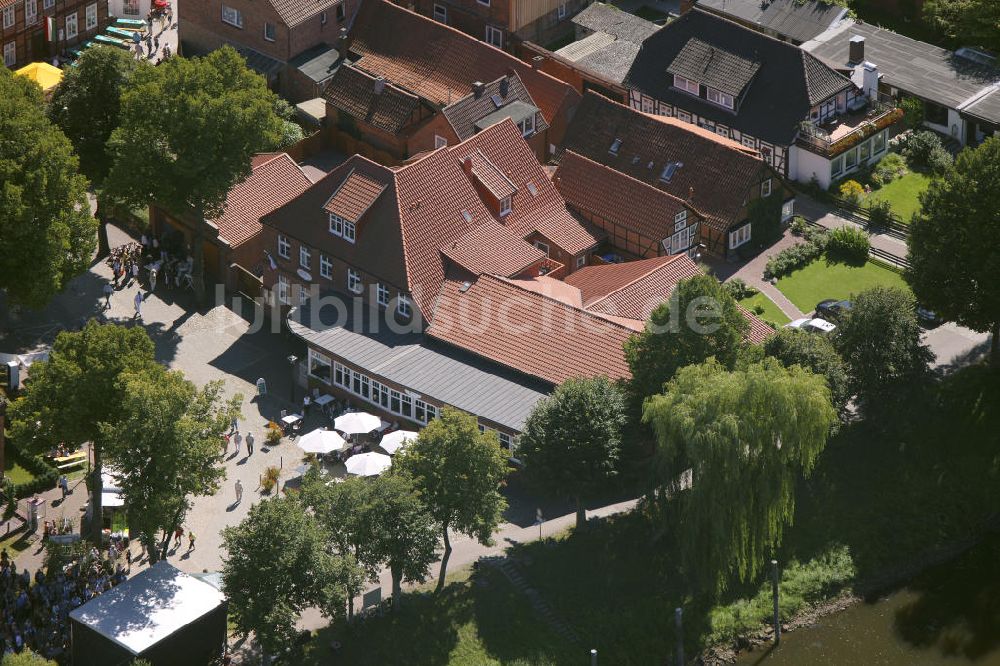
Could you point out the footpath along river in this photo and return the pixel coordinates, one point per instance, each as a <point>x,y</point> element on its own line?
<point>947,616</point>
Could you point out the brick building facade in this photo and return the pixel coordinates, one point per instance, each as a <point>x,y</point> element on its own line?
<point>23,27</point>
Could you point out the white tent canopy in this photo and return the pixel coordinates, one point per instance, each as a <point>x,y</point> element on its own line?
<point>368,464</point>
<point>321,441</point>
<point>354,423</point>
<point>396,440</point>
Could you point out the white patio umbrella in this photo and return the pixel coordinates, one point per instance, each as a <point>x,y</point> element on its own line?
<point>321,441</point>
<point>396,440</point>
<point>368,464</point>
<point>354,423</point>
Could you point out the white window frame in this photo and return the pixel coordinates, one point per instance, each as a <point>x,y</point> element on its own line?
<point>305,257</point>
<point>787,210</point>
<point>765,188</point>
<point>440,13</point>
<point>648,104</point>
<point>439,142</point>
<point>561,12</point>
<point>284,286</point>
<point>284,247</point>
<point>232,16</point>
<point>505,206</point>
<point>739,237</point>
<point>129,7</point>
<point>527,126</point>
<point>274,31</point>
<point>323,359</point>
<point>837,165</point>
<point>354,283</point>
<point>49,4</point>
<point>680,219</point>
<point>722,130</point>
<point>325,267</point>
<point>494,32</point>
<point>8,17</point>
<point>382,294</point>
<point>9,54</point>
<point>336,225</point>
<point>687,85</point>
<point>71,34</point>
<point>749,141</point>
<point>303,294</point>
<point>403,305</point>
<point>350,231</point>
<point>90,18</point>
<point>581,261</point>
<point>375,392</point>
<point>722,99</point>
<point>31,12</point>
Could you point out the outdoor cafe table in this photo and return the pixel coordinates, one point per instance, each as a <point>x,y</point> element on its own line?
<point>291,419</point>
<point>324,399</point>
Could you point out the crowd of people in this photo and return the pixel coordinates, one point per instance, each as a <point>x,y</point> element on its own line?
<point>34,611</point>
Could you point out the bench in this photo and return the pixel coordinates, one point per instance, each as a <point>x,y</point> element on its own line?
<point>70,461</point>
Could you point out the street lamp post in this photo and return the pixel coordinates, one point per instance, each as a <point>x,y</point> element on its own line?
<point>292,360</point>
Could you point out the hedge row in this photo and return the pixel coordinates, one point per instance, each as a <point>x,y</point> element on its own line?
<point>46,476</point>
<point>797,256</point>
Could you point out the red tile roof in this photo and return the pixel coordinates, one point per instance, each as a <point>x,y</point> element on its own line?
<point>274,181</point>
<point>355,196</point>
<point>631,289</point>
<point>759,329</point>
<point>600,190</point>
<point>492,248</point>
<point>490,176</point>
<point>524,330</point>
<point>544,211</point>
<point>438,62</point>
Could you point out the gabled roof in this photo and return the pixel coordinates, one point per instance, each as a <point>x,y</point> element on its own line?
<point>800,20</point>
<point>537,335</point>
<point>274,181</point>
<point>714,67</point>
<point>466,113</point>
<point>787,85</point>
<point>490,176</point>
<point>634,288</point>
<point>492,248</point>
<point>355,196</point>
<point>622,25</point>
<point>439,63</point>
<point>294,12</point>
<point>591,187</point>
<point>720,171</point>
<point>366,98</point>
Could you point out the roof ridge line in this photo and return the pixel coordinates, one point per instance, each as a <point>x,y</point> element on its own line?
<point>509,281</point>
<point>670,258</point>
<point>570,151</point>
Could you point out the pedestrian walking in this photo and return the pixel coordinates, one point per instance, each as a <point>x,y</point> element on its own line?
<point>108,291</point>
<point>178,535</point>
<point>116,268</point>
<point>135,271</point>
<point>225,445</point>
<point>249,443</point>
<point>128,557</point>
<point>235,425</point>
<point>239,491</point>
<point>190,540</point>
<point>152,280</point>
<point>64,485</point>
<point>237,438</point>
<point>138,305</point>
<point>156,42</point>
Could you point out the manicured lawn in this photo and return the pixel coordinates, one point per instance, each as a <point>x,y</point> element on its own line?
<point>903,194</point>
<point>772,313</point>
<point>15,472</point>
<point>821,280</point>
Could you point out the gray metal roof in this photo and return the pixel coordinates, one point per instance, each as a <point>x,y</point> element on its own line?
<point>914,67</point>
<point>601,17</point>
<point>713,66</point>
<point>516,111</point>
<point>430,368</point>
<point>318,63</point>
<point>986,107</point>
<point>800,20</point>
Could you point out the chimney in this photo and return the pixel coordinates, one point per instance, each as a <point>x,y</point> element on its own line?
<point>342,35</point>
<point>379,85</point>
<point>467,166</point>
<point>691,193</point>
<point>869,80</point>
<point>505,86</point>
<point>478,88</point>
<point>856,54</point>
<point>537,61</point>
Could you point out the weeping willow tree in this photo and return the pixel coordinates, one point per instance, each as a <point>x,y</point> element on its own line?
<point>747,436</point>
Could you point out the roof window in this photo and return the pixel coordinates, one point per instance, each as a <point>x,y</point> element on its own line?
<point>531,188</point>
<point>668,171</point>
<point>615,146</point>
<point>497,100</point>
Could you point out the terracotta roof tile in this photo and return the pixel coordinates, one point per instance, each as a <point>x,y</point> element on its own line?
<point>438,62</point>
<point>720,171</point>
<point>354,92</point>
<point>274,181</point>
<point>355,196</point>
<point>759,329</point>
<point>490,176</point>
<point>492,248</point>
<point>537,335</point>
<point>594,188</point>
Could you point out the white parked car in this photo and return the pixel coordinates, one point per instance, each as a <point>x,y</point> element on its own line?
<point>812,324</point>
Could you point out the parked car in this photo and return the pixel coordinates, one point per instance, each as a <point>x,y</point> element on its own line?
<point>927,317</point>
<point>833,309</point>
<point>812,324</point>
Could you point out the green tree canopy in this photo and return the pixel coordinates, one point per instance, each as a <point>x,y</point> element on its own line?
<point>26,658</point>
<point>277,565</point>
<point>954,261</point>
<point>76,395</point>
<point>86,105</point>
<point>747,436</point>
<point>701,319</point>
<point>458,471</point>
<point>47,235</point>
<point>815,353</point>
<point>398,531</point>
<point>572,440</point>
<point>879,340</point>
<point>166,447</point>
<point>970,22</point>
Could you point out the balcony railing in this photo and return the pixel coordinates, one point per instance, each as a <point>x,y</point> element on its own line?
<point>848,129</point>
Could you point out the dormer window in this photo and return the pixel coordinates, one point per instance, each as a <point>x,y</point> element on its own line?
<point>504,206</point>
<point>349,231</point>
<point>341,227</point>
<point>687,85</point>
<point>680,220</point>
<point>527,126</point>
<point>720,98</point>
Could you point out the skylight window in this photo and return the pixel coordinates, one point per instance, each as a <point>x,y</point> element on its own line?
<point>668,172</point>
<point>497,100</point>
<point>531,188</point>
<point>467,215</point>
<point>615,146</point>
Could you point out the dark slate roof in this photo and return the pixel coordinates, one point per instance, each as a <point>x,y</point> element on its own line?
<point>713,66</point>
<point>467,114</point>
<point>354,92</point>
<point>602,55</point>
<point>800,20</point>
<point>516,111</point>
<point>257,61</point>
<point>915,67</point>
<point>787,85</point>
<point>318,63</point>
<point>601,17</point>
<point>986,107</point>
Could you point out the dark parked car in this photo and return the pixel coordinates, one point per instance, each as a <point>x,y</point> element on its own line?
<point>832,309</point>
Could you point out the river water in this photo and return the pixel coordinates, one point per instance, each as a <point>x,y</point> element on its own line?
<point>949,615</point>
